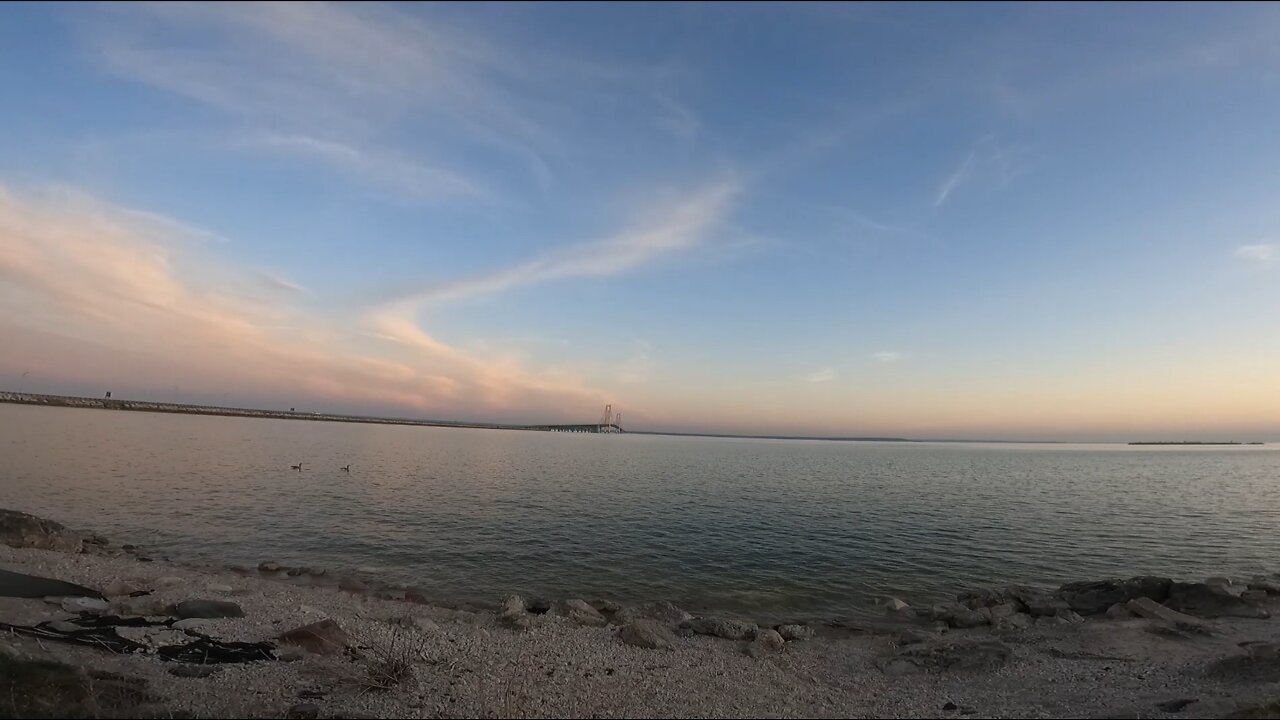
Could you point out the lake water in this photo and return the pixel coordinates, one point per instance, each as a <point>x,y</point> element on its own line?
<point>772,528</point>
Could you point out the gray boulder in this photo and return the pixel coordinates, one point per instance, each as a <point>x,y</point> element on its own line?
<point>727,628</point>
<point>767,642</point>
<point>649,634</point>
<point>1148,608</point>
<point>1093,598</point>
<point>1211,601</point>
<point>792,633</point>
<point>20,530</point>
<point>582,613</point>
<point>322,638</point>
<point>663,612</point>
<point>1265,584</point>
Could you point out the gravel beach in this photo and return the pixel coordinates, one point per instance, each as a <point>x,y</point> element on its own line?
<point>399,658</point>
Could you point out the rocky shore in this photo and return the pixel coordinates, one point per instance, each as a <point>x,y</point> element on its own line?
<point>95,630</point>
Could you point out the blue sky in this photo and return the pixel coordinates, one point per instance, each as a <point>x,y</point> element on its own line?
<point>1023,221</point>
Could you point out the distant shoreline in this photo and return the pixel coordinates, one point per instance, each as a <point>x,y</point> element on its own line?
<point>1195,442</point>
<point>75,401</point>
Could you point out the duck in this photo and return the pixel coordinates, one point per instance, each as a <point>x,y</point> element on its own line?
<point>297,467</point>
<point>346,468</point>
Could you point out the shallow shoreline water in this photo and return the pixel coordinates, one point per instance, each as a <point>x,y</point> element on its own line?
<point>476,663</point>
<point>751,526</point>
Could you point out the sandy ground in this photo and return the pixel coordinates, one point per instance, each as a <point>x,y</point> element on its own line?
<point>469,664</point>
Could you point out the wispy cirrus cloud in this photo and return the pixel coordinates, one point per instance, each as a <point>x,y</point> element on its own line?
<point>677,227</point>
<point>987,159</point>
<point>405,178</point>
<point>887,356</point>
<point>1260,253</point>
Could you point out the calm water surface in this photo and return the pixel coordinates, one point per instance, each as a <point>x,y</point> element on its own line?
<point>770,527</point>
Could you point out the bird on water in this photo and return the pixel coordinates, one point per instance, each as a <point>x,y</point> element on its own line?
<point>297,467</point>
<point>346,468</point>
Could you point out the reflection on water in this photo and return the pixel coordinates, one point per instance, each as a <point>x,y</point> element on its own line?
<point>801,528</point>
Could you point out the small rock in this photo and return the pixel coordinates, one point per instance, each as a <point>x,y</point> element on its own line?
<point>1041,605</point>
<point>949,707</point>
<point>1254,596</point>
<point>65,626</point>
<point>295,571</point>
<point>1068,617</point>
<point>727,628</point>
<point>352,585</point>
<point>221,589</point>
<point>766,642</point>
<point>1002,611</point>
<point>1218,580</point>
<point>84,604</point>
<point>208,609</point>
<point>118,587</point>
<point>20,530</point>
<point>143,558</point>
<point>1211,601</point>
<point>1173,706</point>
<point>316,571</point>
<point>896,605</point>
<point>188,670</point>
<point>792,633</point>
<point>1017,621</point>
<point>1093,598</point>
<point>582,613</point>
<point>269,566</point>
<point>606,606</point>
<point>303,711</point>
<point>664,612</point>
<point>322,638</point>
<point>1148,608</point>
<point>1119,612</point>
<point>649,634</point>
<point>128,547</point>
<point>198,625</point>
<point>513,609</point>
<point>538,606</point>
<point>963,617</point>
<point>1265,584</point>
<point>239,569</point>
<point>311,694</point>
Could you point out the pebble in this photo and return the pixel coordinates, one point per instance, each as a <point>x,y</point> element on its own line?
<point>269,566</point>
<point>220,588</point>
<point>84,604</point>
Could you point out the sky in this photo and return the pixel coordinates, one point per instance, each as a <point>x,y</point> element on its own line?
<point>1015,221</point>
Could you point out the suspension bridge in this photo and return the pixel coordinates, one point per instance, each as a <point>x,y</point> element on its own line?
<point>610,422</point>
